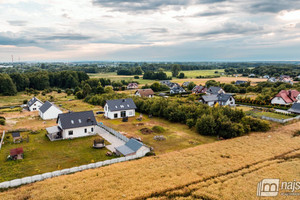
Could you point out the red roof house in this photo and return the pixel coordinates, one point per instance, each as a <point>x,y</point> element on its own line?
<point>285,97</point>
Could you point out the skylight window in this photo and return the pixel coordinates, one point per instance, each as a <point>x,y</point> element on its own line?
<point>79,120</point>
<point>128,105</point>
<point>116,106</point>
<point>122,106</point>
<point>72,121</point>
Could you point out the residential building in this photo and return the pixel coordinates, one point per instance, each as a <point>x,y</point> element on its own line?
<point>239,82</point>
<point>221,99</point>
<point>49,111</point>
<point>144,93</point>
<point>285,97</point>
<point>119,108</point>
<point>73,125</point>
<point>272,80</point>
<point>198,89</point>
<point>131,86</point>
<point>177,90</point>
<point>185,84</point>
<point>295,108</point>
<point>34,104</point>
<point>214,90</point>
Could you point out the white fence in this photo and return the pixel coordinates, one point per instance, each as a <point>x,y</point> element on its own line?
<point>40,177</point>
<point>2,138</point>
<point>280,120</point>
<point>113,132</point>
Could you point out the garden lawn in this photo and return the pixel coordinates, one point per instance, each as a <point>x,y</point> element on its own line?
<point>41,155</point>
<point>178,136</point>
<point>268,114</point>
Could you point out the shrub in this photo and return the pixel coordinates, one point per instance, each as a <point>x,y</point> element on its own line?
<point>25,101</point>
<point>59,91</point>
<point>158,129</point>
<point>190,123</point>
<point>136,77</point>
<point>2,121</point>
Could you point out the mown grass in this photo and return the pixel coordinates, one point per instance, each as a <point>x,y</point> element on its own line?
<point>228,169</point>
<point>41,155</point>
<point>178,136</point>
<point>268,114</point>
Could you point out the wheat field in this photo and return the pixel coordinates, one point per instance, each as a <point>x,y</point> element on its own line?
<point>228,169</point>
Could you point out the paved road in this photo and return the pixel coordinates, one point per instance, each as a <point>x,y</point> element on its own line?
<point>114,141</point>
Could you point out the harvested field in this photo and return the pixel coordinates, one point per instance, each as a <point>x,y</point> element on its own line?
<point>228,169</point>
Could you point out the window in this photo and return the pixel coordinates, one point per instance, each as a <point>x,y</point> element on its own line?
<point>116,115</point>
<point>85,130</point>
<point>72,121</point>
<point>130,113</point>
<point>79,120</point>
<point>70,132</point>
<point>92,129</point>
<point>34,109</point>
<point>122,106</point>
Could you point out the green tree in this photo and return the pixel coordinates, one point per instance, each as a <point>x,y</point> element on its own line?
<point>7,87</point>
<point>175,70</point>
<point>181,75</point>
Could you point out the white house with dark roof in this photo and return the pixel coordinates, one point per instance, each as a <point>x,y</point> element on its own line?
<point>119,108</point>
<point>49,111</point>
<point>73,125</point>
<point>34,104</point>
<point>214,90</point>
<point>221,99</point>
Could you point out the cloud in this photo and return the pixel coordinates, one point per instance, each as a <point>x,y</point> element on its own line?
<point>17,22</point>
<point>265,6</point>
<point>64,36</point>
<point>143,5</point>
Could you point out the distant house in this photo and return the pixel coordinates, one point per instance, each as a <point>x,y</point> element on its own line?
<point>144,93</point>
<point>165,82</point>
<point>214,90</point>
<point>131,86</point>
<point>221,99</point>
<point>49,111</point>
<point>266,76</point>
<point>239,82</point>
<point>119,108</point>
<point>185,84</point>
<point>272,80</point>
<point>252,75</point>
<point>198,89</point>
<point>285,97</point>
<point>286,79</point>
<point>34,104</point>
<point>73,125</point>
<point>177,90</point>
<point>130,148</point>
<point>295,108</point>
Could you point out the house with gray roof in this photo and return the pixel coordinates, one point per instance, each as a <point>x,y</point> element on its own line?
<point>214,90</point>
<point>295,108</point>
<point>131,147</point>
<point>49,111</point>
<point>177,90</point>
<point>221,99</point>
<point>73,125</point>
<point>34,104</point>
<point>119,108</point>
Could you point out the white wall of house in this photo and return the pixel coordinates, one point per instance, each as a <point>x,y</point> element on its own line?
<point>36,106</point>
<point>51,113</point>
<point>229,102</point>
<point>117,114</point>
<point>278,100</point>
<point>78,132</point>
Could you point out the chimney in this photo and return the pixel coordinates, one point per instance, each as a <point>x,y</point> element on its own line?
<point>123,100</point>
<point>88,119</point>
<point>290,93</point>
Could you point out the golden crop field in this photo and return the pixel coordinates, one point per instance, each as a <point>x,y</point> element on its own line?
<point>228,169</point>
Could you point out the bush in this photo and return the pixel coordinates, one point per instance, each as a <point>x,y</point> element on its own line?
<point>136,77</point>
<point>256,124</point>
<point>158,129</point>
<point>59,91</point>
<point>2,121</point>
<point>25,101</point>
<point>190,123</point>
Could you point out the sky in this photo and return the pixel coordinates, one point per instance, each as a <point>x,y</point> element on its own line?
<point>149,30</point>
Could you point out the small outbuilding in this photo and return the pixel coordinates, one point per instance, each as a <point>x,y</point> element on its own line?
<point>295,108</point>
<point>17,137</point>
<point>129,148</point>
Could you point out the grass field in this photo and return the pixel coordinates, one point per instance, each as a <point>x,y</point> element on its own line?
<point>268,114</point>
<point>41,155</point>
<point>228,169</point>
<point>191,76</point>
<point>178,136</point>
